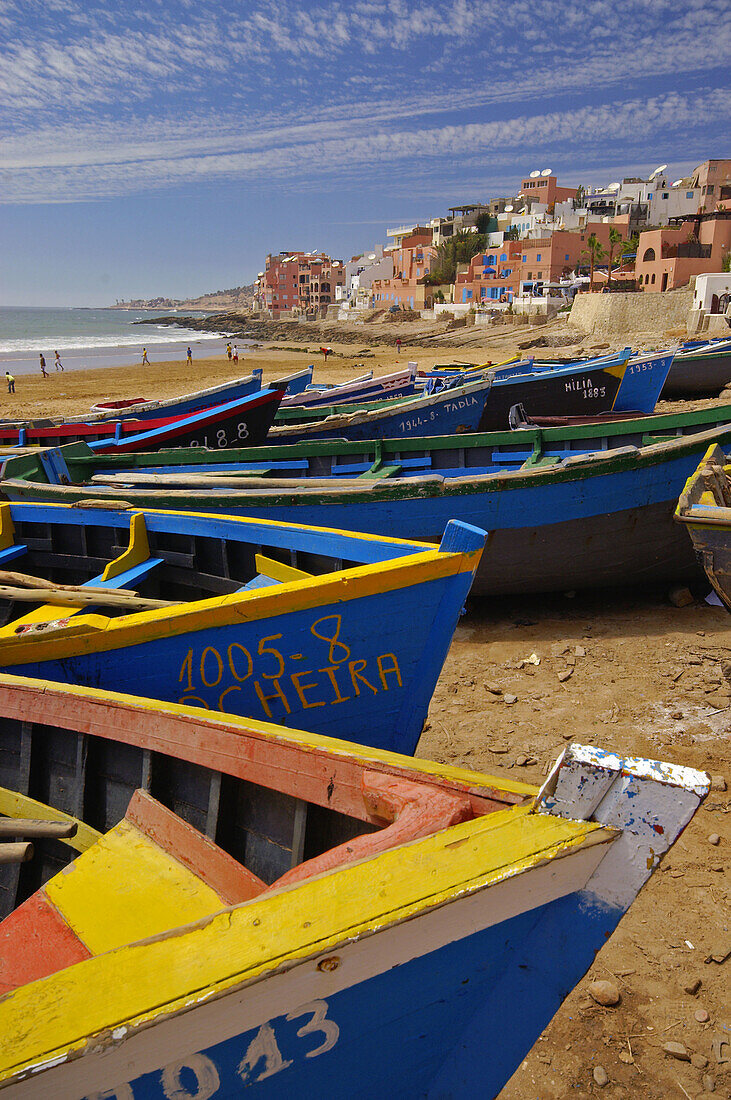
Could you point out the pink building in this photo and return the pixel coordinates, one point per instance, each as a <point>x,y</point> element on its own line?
<point>713,177</point>
<point>669,258</point>
<point>298,282</point>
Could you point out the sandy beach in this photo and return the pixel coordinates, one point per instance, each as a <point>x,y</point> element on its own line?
<point>646,678</point>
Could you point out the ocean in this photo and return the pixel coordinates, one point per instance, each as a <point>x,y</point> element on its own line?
<point>94,338</point>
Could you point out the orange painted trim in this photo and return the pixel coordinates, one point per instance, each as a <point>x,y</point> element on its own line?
<point>36,941</point>
<point>303,765</point>
<point>221,872</point>
<point>415,810</point>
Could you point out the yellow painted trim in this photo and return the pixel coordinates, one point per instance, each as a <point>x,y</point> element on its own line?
<point>106,634</point>
<point>125,888</point>
<point>46,613</point>
<point>7,527</point>
<point>137,551</point>
<point>278,571</point>
<point>134,985</point>
<point>363,754</point>
<point>13,804</point>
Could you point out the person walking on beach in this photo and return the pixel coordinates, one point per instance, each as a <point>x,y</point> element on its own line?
<point>398,345</point>
<point>236,354</point>
<point>228,352</point>
<point>59,364</point>
<point>10,381</point>
<point>145,360</point>
<point>44,372</point>
<point>190,357</point>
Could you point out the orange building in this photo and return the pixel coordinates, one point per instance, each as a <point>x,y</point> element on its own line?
<point>545,189</point>
<point>413,260</point>
<point>669,258</point>
<point>491,276</point>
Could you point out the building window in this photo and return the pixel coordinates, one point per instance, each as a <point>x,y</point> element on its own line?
<point>653,277</point>
<point>524,259</point>
<point>649,255</point>
<point>503,256</point>
<point>530,275</point>
<point>566,256</point>
<point>709,189</point>
<point>538,257</point>
<point>665,195</point>
<point>689,194</point>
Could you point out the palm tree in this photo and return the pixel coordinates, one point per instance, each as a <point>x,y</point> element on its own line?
<point>596,253</point>
<point>615,238</point>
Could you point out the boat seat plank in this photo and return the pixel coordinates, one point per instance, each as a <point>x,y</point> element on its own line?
<point>273,572</point>
<point>381,472</point>
<point>12,552</point>
<point>128,578</point>
<point>259,581</point>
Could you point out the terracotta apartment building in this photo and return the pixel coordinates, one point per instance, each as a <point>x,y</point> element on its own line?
<point>298,282</point>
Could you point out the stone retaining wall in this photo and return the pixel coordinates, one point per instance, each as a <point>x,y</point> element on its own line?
<point>615,314</point>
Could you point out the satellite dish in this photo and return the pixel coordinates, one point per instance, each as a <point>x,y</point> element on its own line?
<point>661,168</point>
<point>677,183</point>
<point>508,209</point>
<point>534,174</point>
<point>614,187</point>
<point>546,172</point>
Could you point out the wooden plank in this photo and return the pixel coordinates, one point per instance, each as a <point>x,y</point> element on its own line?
<point>278,571</point>
<point>224,875</point>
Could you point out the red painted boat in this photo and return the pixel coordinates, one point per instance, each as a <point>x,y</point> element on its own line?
<point>243,422</point>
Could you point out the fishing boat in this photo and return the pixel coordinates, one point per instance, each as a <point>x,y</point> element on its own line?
<point>622,383</point>
<point>319,629</point>
<point>700,369</point>
<point>143,409</point>
<point>618,383</point>
<point>565,507</point>
<point>453,411</point>
<point>400,383</point>
<point>704,508</point>
<point>247,419</point>
<point>302,916</point>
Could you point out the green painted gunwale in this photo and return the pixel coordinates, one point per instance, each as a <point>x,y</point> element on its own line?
<point>24,469</point>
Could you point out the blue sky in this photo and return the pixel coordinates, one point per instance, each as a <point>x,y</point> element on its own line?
<point>164,148</point>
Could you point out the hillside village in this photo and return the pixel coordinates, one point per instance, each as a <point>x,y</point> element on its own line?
<point>527,253</point>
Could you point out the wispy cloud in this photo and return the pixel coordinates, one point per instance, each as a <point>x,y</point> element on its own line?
<point>105,101</point>
<point>124,164</point>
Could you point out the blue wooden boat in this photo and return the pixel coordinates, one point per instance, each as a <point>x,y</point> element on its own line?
<point>365,917</point>
<point>704,508</point>
<point>623,383</point>
<point>141,408</point>
<point>565,507</point>
<point>453,412</point>
<point>319,629</point>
